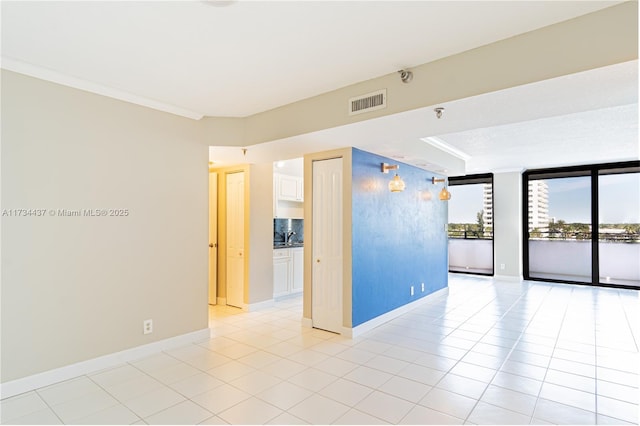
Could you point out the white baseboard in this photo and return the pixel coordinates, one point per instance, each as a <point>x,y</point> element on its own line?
<point>514,278</point>
<point>221,300</point>
<point>307,322</point>
<point>252,307</point>
<point>36,381</point>
<point>379,320</point>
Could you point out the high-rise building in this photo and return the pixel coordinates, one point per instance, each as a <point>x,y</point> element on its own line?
<point>487,205</point>
<point>538,196</point>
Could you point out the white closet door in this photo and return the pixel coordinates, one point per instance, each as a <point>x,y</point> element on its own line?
<point>235,239</point>
<point>326,281</point>
<point>213,237</point>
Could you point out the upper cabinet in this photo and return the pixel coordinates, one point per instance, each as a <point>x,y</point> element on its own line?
<point>289,188</point>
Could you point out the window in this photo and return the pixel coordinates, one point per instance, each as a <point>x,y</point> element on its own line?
<point>583,224</point>
<point>471,224</point>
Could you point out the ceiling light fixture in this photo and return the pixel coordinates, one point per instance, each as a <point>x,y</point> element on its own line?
<point>406,76</point>
<point>396,184</point>
<point>443,195</point>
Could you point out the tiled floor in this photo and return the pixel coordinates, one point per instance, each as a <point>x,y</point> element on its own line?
<point>489,352</point>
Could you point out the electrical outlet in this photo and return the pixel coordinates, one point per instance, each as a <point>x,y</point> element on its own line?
<point>412,290</point>
<point>423,287</point>
<point>147,326</point>
<point>502,266</point>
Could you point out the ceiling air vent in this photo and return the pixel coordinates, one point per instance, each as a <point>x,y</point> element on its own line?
<point>369,102</point>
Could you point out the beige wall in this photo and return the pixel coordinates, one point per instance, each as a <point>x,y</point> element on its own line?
<point>261,233</point>
<point>507,223</point>
<point>74,288</point>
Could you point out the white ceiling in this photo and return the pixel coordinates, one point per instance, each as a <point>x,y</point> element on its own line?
<point>195,59</point>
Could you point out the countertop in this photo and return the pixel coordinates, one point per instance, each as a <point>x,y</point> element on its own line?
<point>280,245</point>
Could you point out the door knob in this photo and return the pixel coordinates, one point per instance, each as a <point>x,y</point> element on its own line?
<point>317,260</point>
<point>211,245</point>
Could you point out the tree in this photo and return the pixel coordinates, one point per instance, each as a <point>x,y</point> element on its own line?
<point>480,223</point>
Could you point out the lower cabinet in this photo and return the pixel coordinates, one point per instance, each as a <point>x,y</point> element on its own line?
<point>288,272</point>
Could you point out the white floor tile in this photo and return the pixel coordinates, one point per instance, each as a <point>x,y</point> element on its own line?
<point>20,405</point>
<point>383,406</point>
<point>336,366</point>
<point>536,339</point>
<point>184,413</point>
<point>406,389</point>
<point>250,411</point>
<point>462,385</point>
<point>255,382</point>
<point>568,396</point>
<point>387,364</point>
<point>284,368</point>
<point>419,373</point>
<point>284,395</point>
<point>84,406</point>
<point>155,362</point>
<point>286,419</point>
<point>312,379</point>
<point>154,401</point>
<point>259,359</point>
<point>450,403</point>
<point>618,409</point>
<point>116,375</point>
<point>509,399</point>
<point>230,371</point>
<point>116,415</point>
<point>420,415</point>
<point>134,388</point>
<point>558,413</point>
<point>472,371</point>
<point>484,413</point>
<point>45,416</point>
<point>355,417</point>
<point>368,376</point>
<point>174,373</point>
<point>517,383</point>
<point>220,398</point>
<point>195,385</point>
<point>346,392</point>
<point>318,409</point>
<point>68,390</point>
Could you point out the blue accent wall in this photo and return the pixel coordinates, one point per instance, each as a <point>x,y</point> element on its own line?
<point>399,239</point>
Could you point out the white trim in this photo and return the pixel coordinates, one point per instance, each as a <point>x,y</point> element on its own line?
<point>443,146</point>
<point>379,320</point>
<point>88,86</point>
<point>221,300</point>
<point>516,278</point>
<point>29,383</point>
<point>307,322</point>
<point>251,307</point>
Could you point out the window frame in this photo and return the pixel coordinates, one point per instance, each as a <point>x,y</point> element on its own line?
<point>593,171</point>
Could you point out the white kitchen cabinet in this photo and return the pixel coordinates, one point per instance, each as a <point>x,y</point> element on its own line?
<point>297,275</point>
<point>288,273</point>
<point>290,188</point>
<point>288,196</point>
<point>281,271</point>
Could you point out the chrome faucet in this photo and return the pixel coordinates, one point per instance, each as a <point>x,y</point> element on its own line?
<point>289,235</point>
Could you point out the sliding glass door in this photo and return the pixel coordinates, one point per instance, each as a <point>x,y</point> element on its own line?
<point>619,227</point>
<point>471,224</point>
<point>561,207</point>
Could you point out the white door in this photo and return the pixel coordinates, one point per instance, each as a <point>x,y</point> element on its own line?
<point>235,239</point>
<point>213,237</point>
<point>326,280</point>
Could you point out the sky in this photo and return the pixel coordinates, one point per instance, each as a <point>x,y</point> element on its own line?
<point>569,200</point>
